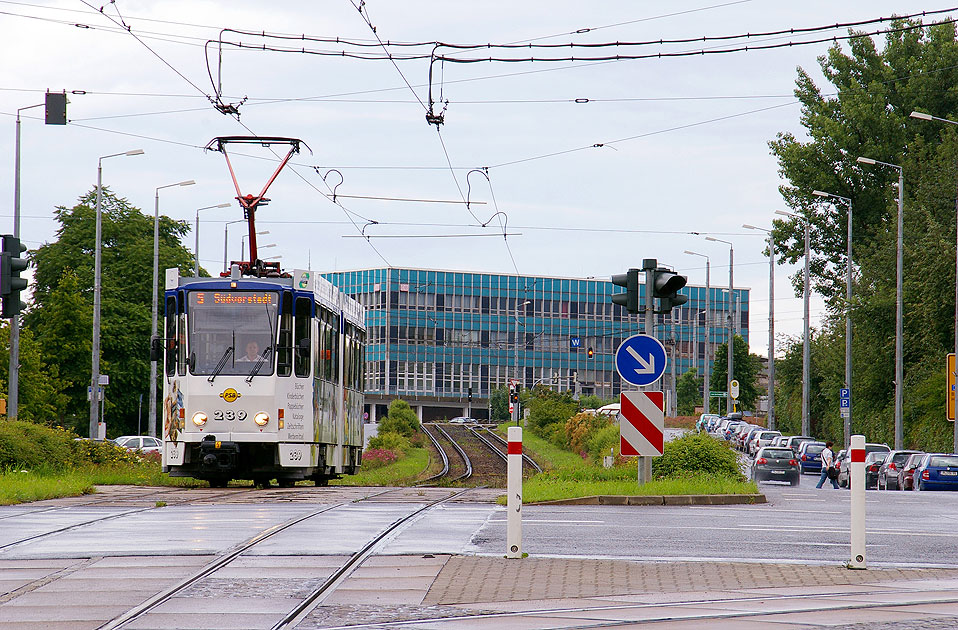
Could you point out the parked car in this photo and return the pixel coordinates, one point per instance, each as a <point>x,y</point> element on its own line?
<point>730,429</point>
<point>795,441</point>
<point>780,441</point>
<point>888,472</point>
<point>775,464</point>
<point>143,443</point>
<point>810,457</point>
<point>873,462</point>
<point>875,448</point>
<point>743,435</point>
<point>843,462</point>
<point>702,424</point>
<point>906,472</point>
<point>937,471</point>
<point>760,439</point>
<point>462,420</point>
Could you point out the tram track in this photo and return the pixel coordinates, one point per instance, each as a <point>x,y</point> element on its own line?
<point>316,596</point>
<point>487,463</point>
<point>448,468</point>
<point>501,445</point>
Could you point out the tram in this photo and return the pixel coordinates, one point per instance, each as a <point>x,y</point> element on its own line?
<point>262,378</point>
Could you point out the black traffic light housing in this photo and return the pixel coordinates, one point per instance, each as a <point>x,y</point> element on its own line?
<point>629,299</point>
<point>665,286</point>
<point>591,353</point>
<point>10,281</point>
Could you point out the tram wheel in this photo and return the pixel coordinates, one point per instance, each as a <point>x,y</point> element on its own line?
<point>321,481</point>
<point>262,482</point>
<point>286,483</point>
<point>218,483</point>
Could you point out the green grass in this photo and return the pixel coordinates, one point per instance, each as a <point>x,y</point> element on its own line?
<point>404,471</point>
<point>544,452</point>
<point>37,485</point>
<point>557,485</point>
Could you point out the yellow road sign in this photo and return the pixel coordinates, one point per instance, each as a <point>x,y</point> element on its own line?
<point>951,386</point>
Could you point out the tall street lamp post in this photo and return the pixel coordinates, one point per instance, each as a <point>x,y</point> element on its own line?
<point>516,349</point>
<point>731,322</point>
<point>97,290</point>
<point>771,323</point>
<point>708,328</point>
<point>923,116</point>
<point>196,231</point>
<point>806,345</point>
<point>899,370</point>
<point>848,310</point>
<point>226,239</point>
<point>151,425</point>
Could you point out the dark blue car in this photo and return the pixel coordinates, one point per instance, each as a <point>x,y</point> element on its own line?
<point>937,471</point>
<point>810,457</point>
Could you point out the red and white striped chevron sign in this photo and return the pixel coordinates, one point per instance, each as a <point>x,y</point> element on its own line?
<point>642,424</point>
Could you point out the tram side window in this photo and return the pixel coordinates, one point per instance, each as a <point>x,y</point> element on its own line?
<point>181,354</point>
<point>361,361</point>
<point>284,350</point>
<point>304,321</point>
<point>169,341</point>
<point>333,320</point>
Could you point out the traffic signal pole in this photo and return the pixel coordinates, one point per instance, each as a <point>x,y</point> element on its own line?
<point>648,266</point>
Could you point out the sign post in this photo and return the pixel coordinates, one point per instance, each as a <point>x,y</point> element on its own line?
<point>856,480</point>
<point>641,360</point>
<point>641,426</point>
<point>514,498</point>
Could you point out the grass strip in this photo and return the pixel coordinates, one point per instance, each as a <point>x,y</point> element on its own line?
<point>557,485</point>
<point>544,452</point>
<point>403,471</point>
<point>22,487</point>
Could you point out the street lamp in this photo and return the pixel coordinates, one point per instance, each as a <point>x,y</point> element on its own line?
<point>516,349</point>
<point>243,243</point>
<point>899,371</point>
<point>151,425</point>
<point>731,328</point>
<point>848,311</point>
<point>196,230</point>
<point>771,322</point>
<point>97,290</point>
<point>708,327</point>
<point>923,116</point>
<point>226,235</point>
<point>806,347</point>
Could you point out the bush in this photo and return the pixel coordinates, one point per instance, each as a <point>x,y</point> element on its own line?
<point>604,441</point>
<point>389,441</point>
<point>26,446</point>
<point>696,452</point>
<point>401,419</point>
<point>581,427</point>
<point>547,408</point>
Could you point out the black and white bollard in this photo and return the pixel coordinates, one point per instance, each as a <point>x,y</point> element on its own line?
<point>514,500</point>
<point>856,481</point>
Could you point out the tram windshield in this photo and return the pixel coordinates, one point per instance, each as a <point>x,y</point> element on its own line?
<point>232,332</point>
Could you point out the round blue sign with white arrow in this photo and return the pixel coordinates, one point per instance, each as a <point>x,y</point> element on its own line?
<point>641,360</point>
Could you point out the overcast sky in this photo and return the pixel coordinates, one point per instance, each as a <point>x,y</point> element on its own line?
<point>696,157</point>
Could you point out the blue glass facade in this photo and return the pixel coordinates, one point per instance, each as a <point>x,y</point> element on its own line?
<point>432,335</point>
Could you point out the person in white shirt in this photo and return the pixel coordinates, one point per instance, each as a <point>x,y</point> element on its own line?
<point>828,461</point>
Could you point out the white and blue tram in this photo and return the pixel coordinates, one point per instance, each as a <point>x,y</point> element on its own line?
<point>262,379</point>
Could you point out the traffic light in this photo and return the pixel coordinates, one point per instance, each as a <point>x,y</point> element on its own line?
<point>665,286</point>
<point>629,299</point>
<point>10,281</point>
<point>591,353</point>
<point>470,394</point>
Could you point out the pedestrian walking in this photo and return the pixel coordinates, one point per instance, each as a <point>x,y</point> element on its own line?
<point>828,467</point>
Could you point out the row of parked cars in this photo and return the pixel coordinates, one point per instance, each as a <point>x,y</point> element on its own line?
<point>787,457</point>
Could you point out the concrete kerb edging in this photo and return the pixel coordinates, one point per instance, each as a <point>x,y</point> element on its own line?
<point>668,499</point>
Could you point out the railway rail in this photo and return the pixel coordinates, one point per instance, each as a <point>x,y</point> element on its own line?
<point>307,603</point>
<point>445,474</point>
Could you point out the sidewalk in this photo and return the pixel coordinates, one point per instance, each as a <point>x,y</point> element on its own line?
<point>470,592</point>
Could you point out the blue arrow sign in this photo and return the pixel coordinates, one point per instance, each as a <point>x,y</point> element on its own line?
<point>641,360</point>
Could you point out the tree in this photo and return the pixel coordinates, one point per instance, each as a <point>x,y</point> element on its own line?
<point>865,112</point>
<point>499,403</point>
<point>745,371</point>
<point>61,315</point>
<point>688,392</point>
<point>400,419</point>
<point>41,397</point>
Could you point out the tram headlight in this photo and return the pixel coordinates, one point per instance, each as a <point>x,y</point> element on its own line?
<point>262,418</point>
<point>199,418</point>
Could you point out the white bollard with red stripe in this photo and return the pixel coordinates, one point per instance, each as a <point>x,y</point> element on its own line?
<point>856,481</point>
<point>514,499</point>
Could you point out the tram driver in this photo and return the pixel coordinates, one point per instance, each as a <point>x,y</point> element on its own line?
<point>252,352</point>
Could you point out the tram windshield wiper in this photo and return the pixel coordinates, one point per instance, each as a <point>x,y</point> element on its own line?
<point>259,363</point>
<point>221,364</point>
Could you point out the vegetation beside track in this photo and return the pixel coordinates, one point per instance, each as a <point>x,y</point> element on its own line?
<point>400,472</point>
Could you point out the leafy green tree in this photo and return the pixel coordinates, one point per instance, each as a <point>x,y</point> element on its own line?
<point>499,403</point>
<point>63,302</point>
<point>745,371</point>
<point>688,392</point>
<point>401,419</point>
<point>593,402</point>
<point>865,112</point>
<point>41,397</point>
<point>549,411</point>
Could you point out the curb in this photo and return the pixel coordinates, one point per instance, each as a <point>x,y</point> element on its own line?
<point>668,499</point>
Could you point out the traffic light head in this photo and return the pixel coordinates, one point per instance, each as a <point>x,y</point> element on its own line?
<point>591,353</point>
<point>629,299</point>
<point>11,284</point>
<point>666,285</point>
